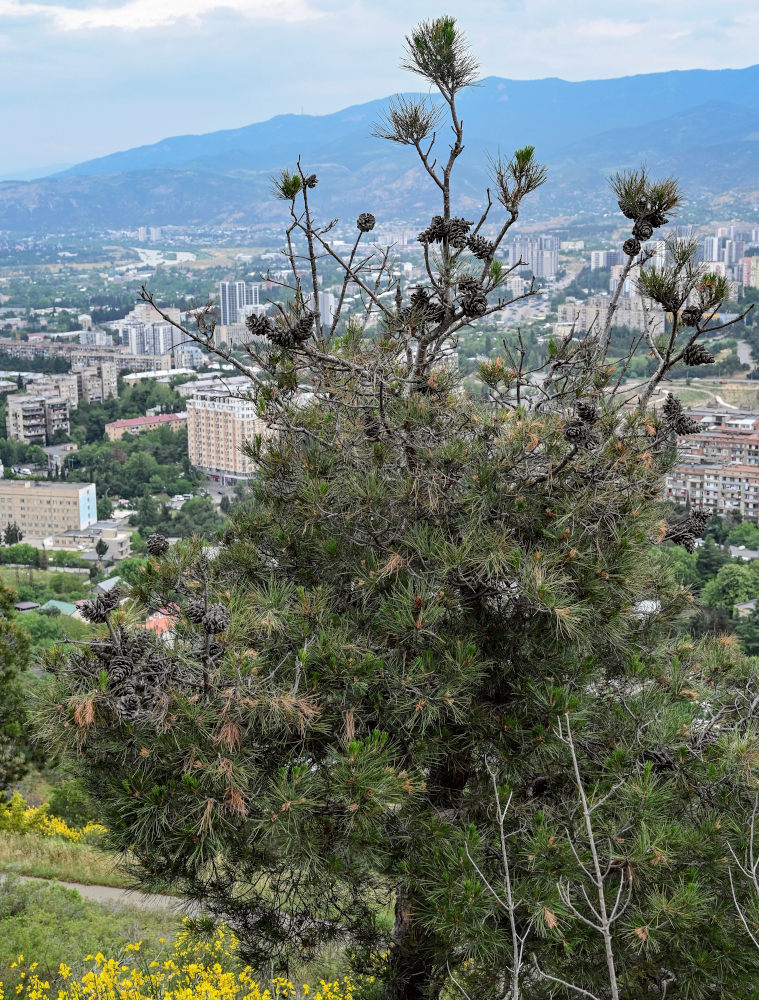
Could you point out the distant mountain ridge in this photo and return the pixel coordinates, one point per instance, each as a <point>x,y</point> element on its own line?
<point>702,125</point>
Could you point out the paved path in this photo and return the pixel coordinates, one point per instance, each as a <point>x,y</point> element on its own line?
<point>744,353</point>
<point>124,897</point>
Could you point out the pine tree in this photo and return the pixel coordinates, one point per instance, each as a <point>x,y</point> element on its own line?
<point>367,705</point>
<point>12,534</point>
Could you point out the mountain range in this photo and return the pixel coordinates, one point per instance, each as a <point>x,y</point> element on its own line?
<point>701,125</point>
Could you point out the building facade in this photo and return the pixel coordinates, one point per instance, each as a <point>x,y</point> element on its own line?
<point>42,508</point>
<point>632,312</point>
<point>234,298</point>
<point>97,382</point>
<point>35,419</point>
<point>118,428</point>
<point>63,386</point>
<point>218,425</point>
<point>717,488</point>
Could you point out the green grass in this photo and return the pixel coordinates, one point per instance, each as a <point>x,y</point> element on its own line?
<point>691,397</point>
<point>50,925</point>
<point>17,576</point>
<point>53,857</point>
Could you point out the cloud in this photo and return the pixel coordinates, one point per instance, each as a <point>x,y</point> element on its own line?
<point>141,14</point>
<point>606,28</point>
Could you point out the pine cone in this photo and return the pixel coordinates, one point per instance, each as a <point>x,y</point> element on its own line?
<point>688,541</point>
<point>672,408</point>
<point>420,298</point>
<point>311,181</point>
<point>216,619</point>
<point>686,425</point>
<point>629,213</point>
<point>458,230</point>
<point>195,610</point>
<point>578,432</point>
<point>658,219</point>
<point>587,412</point>
<point>631,247</point>
<point>128,707</point>
<point>697,354</point>
<point>293,336</point>
<point>366,222</point>
<point>436,312</point>
<point>436,229</point>
<point>259,326</point>
<point>118,670</point>
<point>691,317</point>
<point>643,230</point>
<point>157,544</point>
<point>98,608</point>
<point>474,303</point>
<point>698,520</point>
<point>481,248</point>
<point>303,328</point>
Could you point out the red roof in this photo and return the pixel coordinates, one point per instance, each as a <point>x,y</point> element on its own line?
<point>163,620</point>
<point>160,418</point>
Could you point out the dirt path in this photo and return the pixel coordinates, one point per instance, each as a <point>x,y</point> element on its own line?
<point>123,897</point>
<point>722,402</point>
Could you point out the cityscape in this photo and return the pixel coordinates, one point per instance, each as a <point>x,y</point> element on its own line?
<point>379,505</point>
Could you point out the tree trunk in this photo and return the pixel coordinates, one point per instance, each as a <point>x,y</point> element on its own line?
<point>412,971</point>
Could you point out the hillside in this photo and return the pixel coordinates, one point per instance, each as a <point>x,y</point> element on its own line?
<point>700,124</point>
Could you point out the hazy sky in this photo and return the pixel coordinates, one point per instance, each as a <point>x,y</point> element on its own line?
<point>81,78</point>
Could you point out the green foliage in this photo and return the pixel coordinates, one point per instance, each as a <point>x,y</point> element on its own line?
<point>747,631</point>
<point>415,590</point>
<point>54,925</point>
<point>70,801</point>
<point>734,583</point>
<point>133,401</point>
<point>196,517</point>
<point>14,657</point>
<point>638,196</point>
<point>437,51</point>
<point>287,185</point>
<point>151,462</point>
<point>46,630</point>
<point>746,533</point>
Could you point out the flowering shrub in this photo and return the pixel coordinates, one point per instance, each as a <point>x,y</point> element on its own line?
<point>17,817</point>
<point>192,969</point>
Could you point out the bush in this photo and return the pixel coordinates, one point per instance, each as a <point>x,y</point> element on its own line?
<point>50,925</point>
<point>72,804</point>
<point>17,817</point>
<point>195,966</point>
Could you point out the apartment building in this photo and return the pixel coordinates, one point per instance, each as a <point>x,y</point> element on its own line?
<point>235,297</point>
<point>85,539</point>
<point>42,508</point>
<point>717,488</point>
<point>135,425</point>
<point>218,424</point>
<point>97,382</point>
<point>35,419</point>
<point>63,386</point>
<point>632,312</point>
<point>720,446</point>
<point>83,356</point>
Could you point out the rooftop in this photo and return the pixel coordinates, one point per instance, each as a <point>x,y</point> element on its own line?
<point>16,486</point>
<point>160,418</point>
<point>63,606</point>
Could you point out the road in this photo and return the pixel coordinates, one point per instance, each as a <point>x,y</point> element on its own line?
<point>744,353</point>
